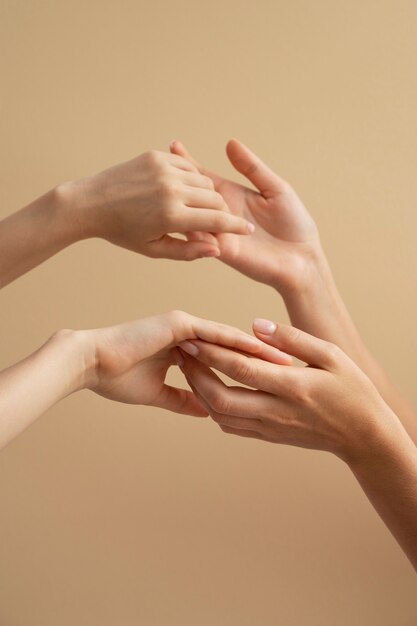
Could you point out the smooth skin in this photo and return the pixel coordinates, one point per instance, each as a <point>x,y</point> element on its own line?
<point>126,363</point>
<point>136,205</point>
<point>330,405</point>
<point>286,254</point>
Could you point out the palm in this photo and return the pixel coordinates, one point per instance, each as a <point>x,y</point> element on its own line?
<point>285,233</point>
<point>142,383</point>
<point>133,360</point>
<point>284,229</point>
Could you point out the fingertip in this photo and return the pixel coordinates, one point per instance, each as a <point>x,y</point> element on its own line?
<point>263,327</point>
<point>212,253</point>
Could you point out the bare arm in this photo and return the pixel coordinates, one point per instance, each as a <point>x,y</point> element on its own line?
<point>330,405</point>
<point>285,253</point>
<point>135,205</point>
<point>127,363</point>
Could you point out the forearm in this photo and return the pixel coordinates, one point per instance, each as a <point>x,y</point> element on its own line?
<point>37,232</point>
<point>317,308</point>
<point>32,386</point>
<point>388,476</point>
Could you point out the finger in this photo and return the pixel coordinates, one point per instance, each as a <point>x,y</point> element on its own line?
<point>180,401</point>
<point>178,148</point>
<point>262,352</point>
<point>247,163</point>
<point>181,163</point>
<point>198,180</point>
<point>179,250</point>
<point>229,337</point>
<point>200,236</point>
<point>243,433</point>
<point>250,425</point>
<point>221,400</point>
<point>211,221</point>
<point>207,198</point>
<point>250,371</point>
<point>303,346</point>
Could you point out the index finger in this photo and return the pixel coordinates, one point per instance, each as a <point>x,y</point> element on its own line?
<point>273,377</point>
<point>235,339</point>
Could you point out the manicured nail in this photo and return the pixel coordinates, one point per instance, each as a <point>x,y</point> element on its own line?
<point>211,253</point>
<point>266,327</point>
<point>189,348</point>
<point>179,359</point>
<point>251,228</point>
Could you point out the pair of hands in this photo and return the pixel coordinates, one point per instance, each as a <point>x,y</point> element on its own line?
<point>267,234</point>
<point>330,405</point>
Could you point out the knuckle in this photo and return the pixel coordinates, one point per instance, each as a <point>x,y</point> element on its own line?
<point>219,222</point>
<point>216,417</point>
<point>207,180</point>
<point>332,350</point>
<point>169,189</point>
<point>177,317</point>
<point>293,334</point>
<point>153,157</point>
<point>242,370</point>
<point>300,393</point>
<point>220,402</point>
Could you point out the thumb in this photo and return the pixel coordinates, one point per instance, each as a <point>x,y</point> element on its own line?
<point>299,344</point>
<point>247,163</point>
<point>177,147</point>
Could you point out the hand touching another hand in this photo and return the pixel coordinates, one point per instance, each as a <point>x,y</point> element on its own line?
<point>137,204</point>
<point>285,240</point>
<point>329,405</point>
<point>129,362</point>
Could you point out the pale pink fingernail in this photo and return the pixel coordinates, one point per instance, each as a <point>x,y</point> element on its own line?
<point>251,228</point>
<point>211,253</point>
<point>189,348</point>
<point>266,327</point>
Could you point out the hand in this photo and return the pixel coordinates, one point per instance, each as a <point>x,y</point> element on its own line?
<point>329,405</point>
<point>128,363</point>
<point>285,240</point>
<point>137,204</point>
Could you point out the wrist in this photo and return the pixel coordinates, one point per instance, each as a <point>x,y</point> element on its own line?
<point>311,279</point>
<point>384,443</point>
<point>75,211</point>
<point>76,349</point>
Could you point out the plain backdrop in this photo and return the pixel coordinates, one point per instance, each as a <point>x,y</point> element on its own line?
<point>112,514</point>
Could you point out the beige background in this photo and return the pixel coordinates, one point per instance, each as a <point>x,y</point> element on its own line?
<point>113,514</point>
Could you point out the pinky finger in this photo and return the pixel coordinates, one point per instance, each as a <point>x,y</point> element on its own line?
<point>252,434</point>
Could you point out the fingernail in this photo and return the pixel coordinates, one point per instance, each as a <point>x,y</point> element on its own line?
<point>189,348</point>
<point>211,253</point>
<point>251,227</point>
<point>172,144</point>
<point>266,327</point>
<point>179,359</point>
